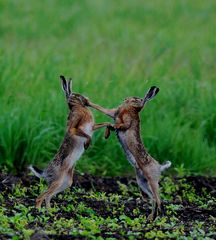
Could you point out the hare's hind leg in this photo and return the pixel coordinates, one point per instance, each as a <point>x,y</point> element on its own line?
<point>70,174</point>
<point>146,192</point>
<point>67,182</point>
<point>156,205</point>
<point>143,185</point>
<point>49,193</point>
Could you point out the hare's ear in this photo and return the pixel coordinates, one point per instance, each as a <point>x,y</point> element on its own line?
<point>69,86</point>
<point>64,85</point>
<point>152,92</point>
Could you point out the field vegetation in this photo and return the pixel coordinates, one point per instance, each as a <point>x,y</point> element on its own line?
<point>107,208</point>
<point>112,50</point>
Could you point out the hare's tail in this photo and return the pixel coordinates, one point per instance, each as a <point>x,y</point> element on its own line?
<point>36,171</point>
<point>165,165</point>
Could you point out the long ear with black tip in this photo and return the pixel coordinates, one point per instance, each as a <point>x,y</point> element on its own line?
<point>64,85</point>
<point>152,92</point>
<point>69,86</point>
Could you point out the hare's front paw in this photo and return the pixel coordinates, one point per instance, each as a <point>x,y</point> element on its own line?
<point>109,128</point>
<point>87,143</point>
<point>107,133</point>
<point>117,126</point>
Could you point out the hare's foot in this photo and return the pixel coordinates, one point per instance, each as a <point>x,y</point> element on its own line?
<point>87,143</point>
<point>107,133</point>
<point>156,212</point>
<point>153,213</point>
<point>150,217</point>
<point>39,202</point>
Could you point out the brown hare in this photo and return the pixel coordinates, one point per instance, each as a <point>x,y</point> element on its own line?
<point>127,128</point>
<point>80,126</point>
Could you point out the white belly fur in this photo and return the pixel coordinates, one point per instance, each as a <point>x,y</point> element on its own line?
<point>88,128</point>
<point>129,155</point>
<point>79,147</point>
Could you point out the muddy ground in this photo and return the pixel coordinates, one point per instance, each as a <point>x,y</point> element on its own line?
<point>107,208</point>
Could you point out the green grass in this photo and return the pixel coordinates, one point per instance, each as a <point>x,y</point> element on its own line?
<point>112,49</point>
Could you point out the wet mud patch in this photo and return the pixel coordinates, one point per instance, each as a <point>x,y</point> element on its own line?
<point>107,208</point>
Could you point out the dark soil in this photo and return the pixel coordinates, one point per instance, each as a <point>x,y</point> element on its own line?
<point>189,212</point>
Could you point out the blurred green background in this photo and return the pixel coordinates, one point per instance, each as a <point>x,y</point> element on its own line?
<point>111,49</point>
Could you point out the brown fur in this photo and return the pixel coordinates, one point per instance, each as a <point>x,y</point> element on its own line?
<point>127,127</point>
<point>59,173</point>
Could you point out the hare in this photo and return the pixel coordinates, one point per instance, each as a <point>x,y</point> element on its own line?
<point>127,128</point>
<point>80,126</point>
